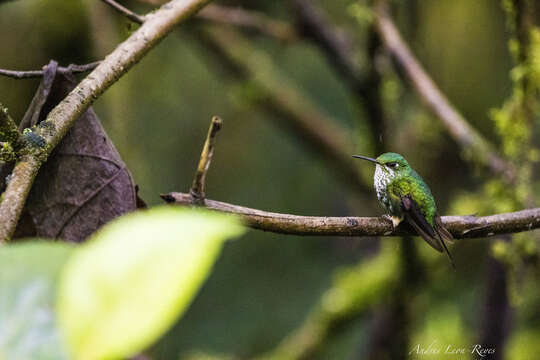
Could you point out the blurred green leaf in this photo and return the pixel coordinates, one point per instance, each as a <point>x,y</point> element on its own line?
<point>129,284</point>
<point>28,278</point>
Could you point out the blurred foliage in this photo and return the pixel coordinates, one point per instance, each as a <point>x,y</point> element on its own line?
<point>110,304</point>
<point>267,286</point>
<point>28,288</point>
<point>171,252</point>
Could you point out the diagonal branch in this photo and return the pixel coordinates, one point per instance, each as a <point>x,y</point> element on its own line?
<point>459,226</point>
<point>156,26</point>
<point>462,132</point>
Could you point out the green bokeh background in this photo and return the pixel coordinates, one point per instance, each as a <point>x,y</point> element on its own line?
<point>264,285</point>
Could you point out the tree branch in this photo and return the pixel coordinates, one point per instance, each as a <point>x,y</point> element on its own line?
<point>462,132</point>
<point>156,26</point>
<point>31,74</point>
<point>459,226</point>
<point>199,182</point>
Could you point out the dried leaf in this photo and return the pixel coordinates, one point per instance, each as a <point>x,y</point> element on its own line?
<point>84,184</point>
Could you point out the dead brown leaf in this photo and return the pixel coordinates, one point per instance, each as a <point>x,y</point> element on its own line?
<point>85,183</point>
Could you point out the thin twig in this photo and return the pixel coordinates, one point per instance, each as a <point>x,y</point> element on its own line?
<point>459,226</point>
<point>125,11</point>
<point>249,19</point>
<point>462,132</point>
<point>31,74</point>
<point>199,182</point>
<point>156,26</point>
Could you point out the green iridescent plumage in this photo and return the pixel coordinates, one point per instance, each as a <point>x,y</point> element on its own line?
<point>403,193</point>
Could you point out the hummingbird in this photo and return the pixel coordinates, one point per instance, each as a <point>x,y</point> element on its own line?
<point>405,195</point>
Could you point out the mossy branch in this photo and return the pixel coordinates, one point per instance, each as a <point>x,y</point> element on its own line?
<point>155,27</point>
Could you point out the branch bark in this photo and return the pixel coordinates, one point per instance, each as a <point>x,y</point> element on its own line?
<point>459,226</point>
<point>156,26</point>
<point>462,132</point>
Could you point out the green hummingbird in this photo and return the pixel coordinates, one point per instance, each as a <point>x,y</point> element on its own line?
<point>403,193</point>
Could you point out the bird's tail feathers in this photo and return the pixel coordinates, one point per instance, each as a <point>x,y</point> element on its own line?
<point>443,235</point>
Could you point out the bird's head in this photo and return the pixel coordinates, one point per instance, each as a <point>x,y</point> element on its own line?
<point>394,164</point>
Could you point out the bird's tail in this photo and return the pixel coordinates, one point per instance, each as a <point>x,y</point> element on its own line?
<point>443,234</point>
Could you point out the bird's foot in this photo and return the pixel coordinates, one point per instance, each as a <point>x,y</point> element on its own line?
<point>394,219</point>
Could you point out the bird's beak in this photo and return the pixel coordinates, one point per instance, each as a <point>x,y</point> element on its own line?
<point>366,158</point>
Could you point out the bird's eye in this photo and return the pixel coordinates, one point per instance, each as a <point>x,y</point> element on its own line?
<point>392,165</point>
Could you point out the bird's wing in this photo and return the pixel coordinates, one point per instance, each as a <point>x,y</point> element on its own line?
<point>413,215</point>
<point>434,236</point>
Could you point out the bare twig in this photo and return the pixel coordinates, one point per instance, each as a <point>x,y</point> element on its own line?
<point>199,182</point>
<point>249,19</point>
<point>125,11</point>
<point>459,226</point>
<point>462,132</point>
<point>156,26</point>
<point>30,74</point>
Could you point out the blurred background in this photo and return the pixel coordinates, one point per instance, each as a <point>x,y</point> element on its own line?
<point>322,297</point>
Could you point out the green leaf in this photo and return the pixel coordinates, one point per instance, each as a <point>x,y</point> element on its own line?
<point>124,288</point>
<point>28,278</point>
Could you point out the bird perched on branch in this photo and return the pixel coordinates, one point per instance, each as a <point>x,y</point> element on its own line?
<point>403,193</point>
